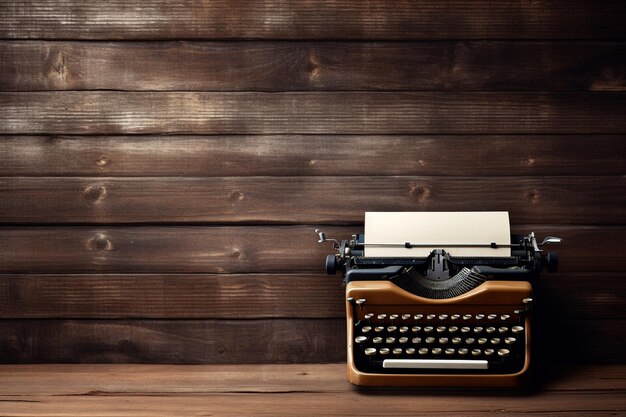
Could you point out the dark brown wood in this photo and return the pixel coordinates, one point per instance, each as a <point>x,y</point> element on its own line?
<point>172,296</point>
<point>311,112</point>
<point>289,249</point>
<point>569,295</point>
<point>311,155</point>
<point>296,200</point>
<point>250,341</point>
<point>293,66</point>
<point>172,341</point>
<point>331,19</point>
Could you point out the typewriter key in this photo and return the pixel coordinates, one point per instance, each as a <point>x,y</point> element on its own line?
<point>465,329</point>
<point>476,352</point>
<point>410,351</point>
<point>393,318</point>
<point>428,329</point>
<point>391,329</point>
<point>370,351</point>
<point>379,329</point>
<point>489,352</point>
<point>449,351</point>
<point>503,329</point>
<point>517,329</point>
<point>480,316</point>
<point>492,316</point>
<point>482,341</point>
<point>404,329</point>
<point>443,316</point>
<point>403,340</point>
<point>416,329</point>
<point>453,329</point>
<point>455,316</point>
<point>495,341</point>
<point>478,329</point>
<point>503,352</point>
<point>431,316</point>
<point>436,351</point>
<point>441,329</point>
<point>377,340</point>
<point>467,317</point>
<point>406,316</point>
<point>430,340</point>
<point>390,340</point>
<point>463,351</point>
<point>366,329</point>
<point>470,340</point>
<point>423,351</point>
<point>416,340</point>
<point>443,340</point>
<point>397,351</point>
<point>384,351</point>
<point>368,317</point>
<point>360,302</point>
<point>418,316</point>
<point>360,339</point>
<point>381,317</point>
<point>490,330</point>
<point>456,340</point>
<point>505,317</point>
<point>509,340</point>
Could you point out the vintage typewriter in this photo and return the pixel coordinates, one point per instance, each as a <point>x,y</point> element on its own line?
<point>439,299</point>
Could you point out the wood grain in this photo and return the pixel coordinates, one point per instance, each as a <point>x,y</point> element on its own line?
<point>242,249</point>
<point>297,200</point>
<point>300,66</point>
<point>312,155</point>
<point>98,296</point>
<point>251,341</point>
<point>310,112</point>
<point>329,19</point>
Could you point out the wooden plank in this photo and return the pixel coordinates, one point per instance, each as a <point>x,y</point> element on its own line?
<point>296,200</point>
<point>311,155</point>
<point>239,249</point>
<point>253,341</point>
<point>310,112</point>
<point>352,19</point>
<point>172,341</point>
<point>173,380</point>
<point>253,296</point>
<point>298,66</point>
<point>370,403</point>
<point>230,296</point>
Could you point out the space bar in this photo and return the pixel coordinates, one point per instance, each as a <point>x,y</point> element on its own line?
<point>434,364</point>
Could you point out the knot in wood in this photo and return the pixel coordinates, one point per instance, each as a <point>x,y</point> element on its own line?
<point>100,242</point>
<point>236,196</point>
<point>532,196</point>
<point>236,254</point>
<point>530,161</point>
<point>95,193</point>
<point>420,192</point>
<point>102,162</point>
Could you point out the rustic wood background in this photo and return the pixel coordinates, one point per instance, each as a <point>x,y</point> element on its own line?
<point>163,164</point>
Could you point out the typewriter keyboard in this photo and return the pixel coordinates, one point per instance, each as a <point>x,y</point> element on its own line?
<point>439,343</point>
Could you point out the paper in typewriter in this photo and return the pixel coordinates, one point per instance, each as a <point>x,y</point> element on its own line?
<point>438,228</point>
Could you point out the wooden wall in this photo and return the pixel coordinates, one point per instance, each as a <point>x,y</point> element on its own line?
<point>163,164</point>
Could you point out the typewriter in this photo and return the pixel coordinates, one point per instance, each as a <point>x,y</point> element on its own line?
<point>439,299</point>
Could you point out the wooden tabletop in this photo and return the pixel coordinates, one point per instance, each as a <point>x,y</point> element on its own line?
<point>285,390</point>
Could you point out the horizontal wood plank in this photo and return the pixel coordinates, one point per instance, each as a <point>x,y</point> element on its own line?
<point>330,19</point>
<point>298,66</point>
<point>569,295</point>
<point>310,112</point>
<point>296,200</point>
<point>252,341</point>
<point>239,249</point>
<point>174,380</point>
<point>311,155</point>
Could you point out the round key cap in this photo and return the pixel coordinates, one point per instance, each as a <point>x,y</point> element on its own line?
<point>428,329</point>
<point>490,330</point>
<point>509,340</point>
<point>391,329</point>
<point>455,316</point>
<point>379,329</point>
<point>418,316</point>
<point>478,329</point>
<point>430,340</point>
<point>381,317</point>
<point>482,341</point>
<point>360,301</point>
<point>517,329</point>
<point>463,351</point>
<point>403,340</point>
<point>453,329</point>
<point>377,340</point>
<point>416,329</point>
<point>456,340</point>
<point>492,316</point>
<point>505,317</point>
<point>480,316</point>
<point>416,340</point>
<point>465,329</point>
<point>390,340</point>
<point>503,329</point>
<point>441,329</point>
<point>436,351</point>
<point>366,329</point>
<point>495,341</point>
<point>467,317</point>
<point>470,340</point>
<point>431,316</point>
<point>503,352</point>
<point>406,316</point>
<point>443,340</point>
<point>443,316</point>
<point>404,329</point>
<point>384,351</point>
<point>476,352</point>
<point>423,351</point>
<point>368,316</point>
<point>397,351</point>
<point>489,352</point>
<point>360,339</point>
<point>393,317</point>
<point>410,351</point>
<point>449,351</point>
<point>370,351</point>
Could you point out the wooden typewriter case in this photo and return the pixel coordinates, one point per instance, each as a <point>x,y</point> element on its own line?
<point>499,297</point>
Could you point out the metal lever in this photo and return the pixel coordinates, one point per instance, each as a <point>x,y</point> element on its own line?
<point>322,238</point>
<point>551,239</point>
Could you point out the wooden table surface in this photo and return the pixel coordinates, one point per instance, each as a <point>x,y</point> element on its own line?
<point>285,390</point>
